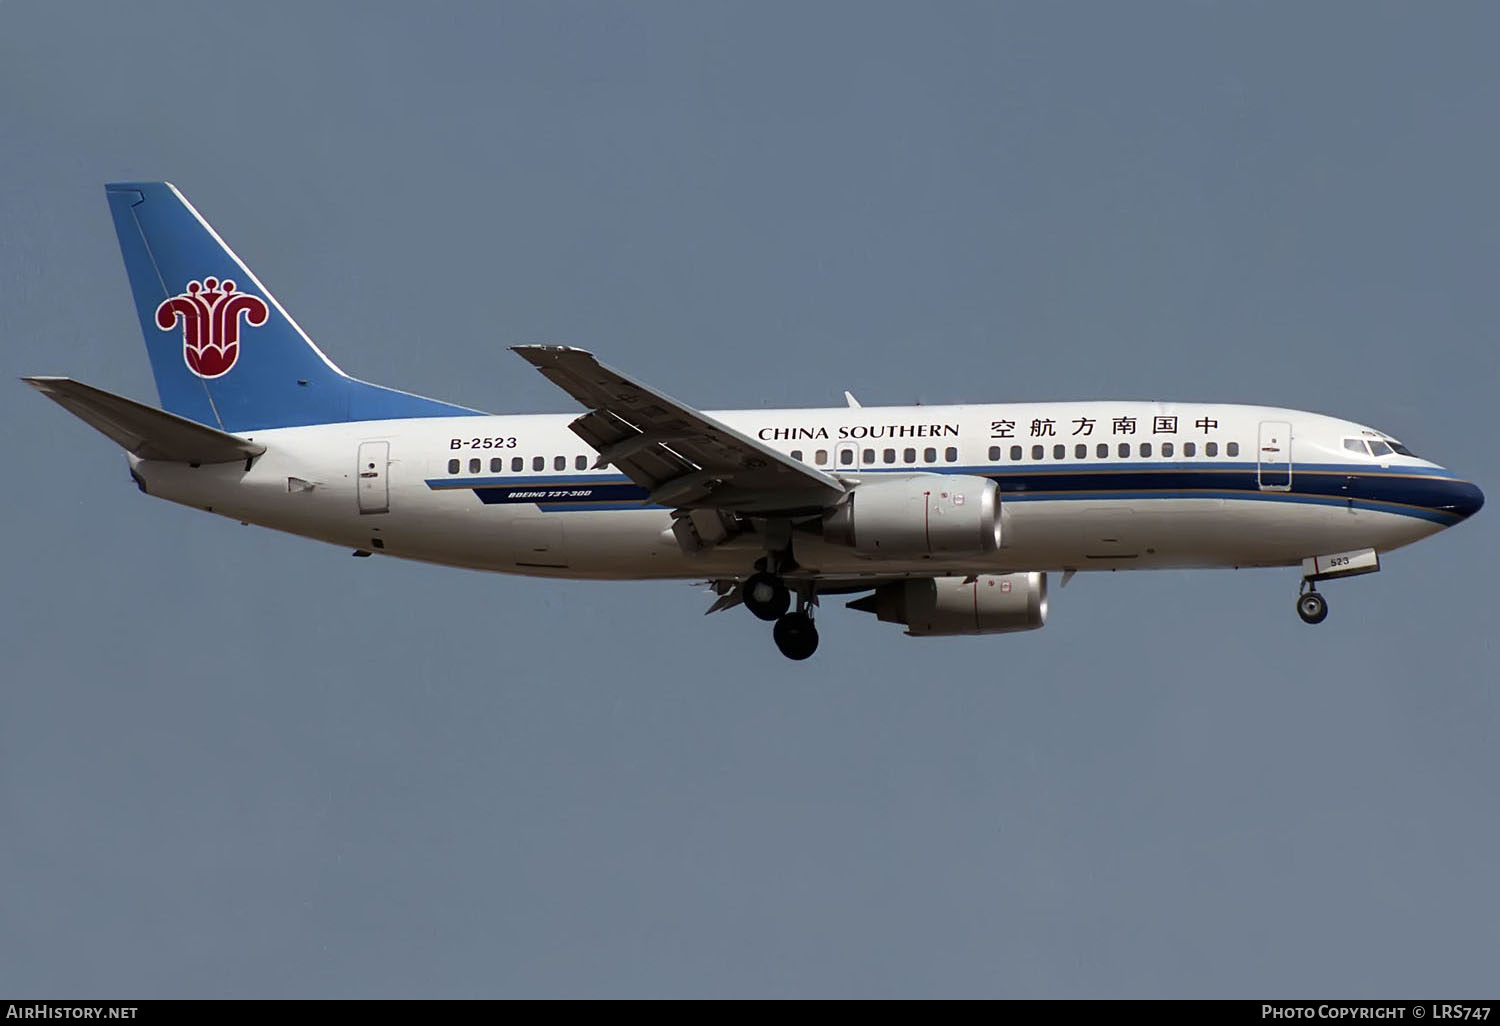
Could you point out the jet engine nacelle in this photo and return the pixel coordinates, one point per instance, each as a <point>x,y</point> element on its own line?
<point>986,604</point>
<point>918,515</point>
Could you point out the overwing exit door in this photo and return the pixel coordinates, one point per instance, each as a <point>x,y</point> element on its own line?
<point>846,456</point>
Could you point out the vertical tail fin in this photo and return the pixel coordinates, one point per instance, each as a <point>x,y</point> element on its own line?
<point>223,351</point>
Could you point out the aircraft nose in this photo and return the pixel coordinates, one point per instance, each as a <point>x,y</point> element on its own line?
<point>1463,498</point>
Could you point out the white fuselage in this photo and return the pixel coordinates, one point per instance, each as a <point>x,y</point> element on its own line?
<point>1085,486</point>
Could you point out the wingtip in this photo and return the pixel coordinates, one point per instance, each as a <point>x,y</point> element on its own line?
<point>533,352</point>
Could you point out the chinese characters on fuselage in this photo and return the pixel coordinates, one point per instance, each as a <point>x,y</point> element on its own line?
<point>1084,426</point>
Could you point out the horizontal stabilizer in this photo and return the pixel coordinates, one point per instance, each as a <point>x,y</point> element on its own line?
<point>143,430</point>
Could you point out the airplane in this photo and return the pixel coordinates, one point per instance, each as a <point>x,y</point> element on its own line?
<point>944,519</point>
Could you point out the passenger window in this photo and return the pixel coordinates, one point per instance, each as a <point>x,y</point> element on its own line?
<point>889,456</point>
<point>1037,452</point>
<point>1124,450</point>
<point>1210,448</point>
<point>1146,449</point>
<point>474,466</point>
<point>453,466</point>
<point>559,463</point>
<point>1190,448</point>
<point>846,457</point>
<point>797,455</point>
<point>1015,452</point>
<point>821,457</point>
<point>581,463</point>
<point>1080,451</point>
<point>910,455</point>
<point>1166,448</point>
<point>538,463</point>
<point>495,465</point>
<point>516,464</point>
<point>1355,445</point>
<point>869,457</point>
<point>1232,449</point>
<point>994,453</point>
<point>930,455</point>
<point>1059,452</point>
<point>950,454</point>
<point>1102,451</point>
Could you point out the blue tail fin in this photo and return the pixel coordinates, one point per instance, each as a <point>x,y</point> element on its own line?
<point>222,349</point>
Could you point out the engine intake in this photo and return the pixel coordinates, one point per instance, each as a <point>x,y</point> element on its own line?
<point>918,515</point>
<point>987,604</point>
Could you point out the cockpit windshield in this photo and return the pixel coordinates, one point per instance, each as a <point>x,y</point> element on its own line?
<point>1377,447</point>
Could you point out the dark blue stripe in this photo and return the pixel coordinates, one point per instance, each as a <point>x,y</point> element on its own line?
<point>1435,516</point>
<point>627,494</point>
<point>1434,495</point>
<point>1438,494</point>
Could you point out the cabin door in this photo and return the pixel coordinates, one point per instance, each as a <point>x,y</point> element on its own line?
<point>1274,471</point>
<point>374,490</point>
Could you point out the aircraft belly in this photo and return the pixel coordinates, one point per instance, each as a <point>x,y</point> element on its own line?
<point>1160,533</point>
<point>1039,535</point>
<point>1187,533</point>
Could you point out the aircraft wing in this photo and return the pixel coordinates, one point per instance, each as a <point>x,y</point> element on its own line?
<point>684,458</point>
<point>143,430</point>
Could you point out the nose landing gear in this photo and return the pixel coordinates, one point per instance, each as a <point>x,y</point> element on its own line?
<point>1312,607</point>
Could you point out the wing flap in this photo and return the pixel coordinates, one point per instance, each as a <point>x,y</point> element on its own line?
<point>684,457</point>
<point>143,430</point>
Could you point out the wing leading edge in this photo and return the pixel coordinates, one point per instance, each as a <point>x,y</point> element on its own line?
<point>683,457</point>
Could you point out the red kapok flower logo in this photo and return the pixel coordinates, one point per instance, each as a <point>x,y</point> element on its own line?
<point>210,315</point>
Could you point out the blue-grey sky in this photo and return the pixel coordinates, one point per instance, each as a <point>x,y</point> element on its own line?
<point>235,763</point>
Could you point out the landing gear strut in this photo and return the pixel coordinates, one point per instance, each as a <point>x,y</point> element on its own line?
<point>1311,606</point>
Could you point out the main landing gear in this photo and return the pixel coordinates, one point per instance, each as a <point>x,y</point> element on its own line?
<point>796,635</point>
<point>766,595</point>
<point>1312,607</point>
